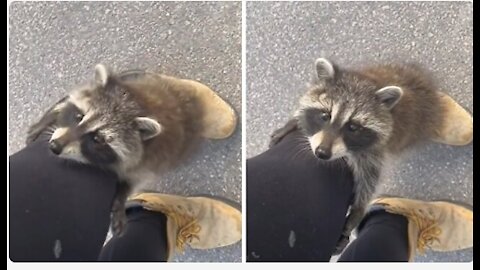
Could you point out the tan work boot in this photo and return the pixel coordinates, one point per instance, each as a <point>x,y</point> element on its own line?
<point>438,225</point>
<point>200,222</point>
<point>457,126</point>
<point>219,118</point>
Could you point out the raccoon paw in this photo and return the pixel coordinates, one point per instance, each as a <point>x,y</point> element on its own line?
<point>119,221</point>
<point>278,134</point>
<point>275,138</point>
<point>341,244</point>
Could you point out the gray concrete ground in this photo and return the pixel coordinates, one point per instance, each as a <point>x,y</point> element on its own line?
<point>54,46</point>
<point>284,39</point>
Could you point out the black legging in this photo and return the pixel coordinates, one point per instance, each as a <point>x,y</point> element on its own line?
<point>60,211</point>
<point>296,209</point>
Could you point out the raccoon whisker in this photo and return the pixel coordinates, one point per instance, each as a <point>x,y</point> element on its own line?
<point>304,146</point>
<point>303,149</point>
<point>49,132</point>
<point>51,129</point>
<point>298,149</point>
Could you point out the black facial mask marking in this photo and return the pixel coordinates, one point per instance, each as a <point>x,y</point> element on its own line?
<point>313,120</point>
<point>96,151</point>
<point>69,116</point>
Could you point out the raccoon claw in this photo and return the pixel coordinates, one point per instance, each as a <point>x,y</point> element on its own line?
<point>274,139</point>
<point>341,244</point>
<point>119,221</point>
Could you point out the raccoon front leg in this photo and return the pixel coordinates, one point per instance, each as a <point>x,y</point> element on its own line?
<point>48,119</point>
<point>366,180</point>
<point>119,218</point>
<point>353,219</point>
<point>278,134</point>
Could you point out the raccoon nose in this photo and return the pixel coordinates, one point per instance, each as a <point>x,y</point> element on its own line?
<point>323,153</point>
<point>55,147</point>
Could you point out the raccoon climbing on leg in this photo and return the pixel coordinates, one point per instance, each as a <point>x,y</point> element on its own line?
<point>135,124</point>
<point>361,116</point>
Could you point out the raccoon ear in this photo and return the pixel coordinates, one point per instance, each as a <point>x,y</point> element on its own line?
<point>325,69</point>
<point>148,127</point>
<point>389,95</point>
<point>101,75</point>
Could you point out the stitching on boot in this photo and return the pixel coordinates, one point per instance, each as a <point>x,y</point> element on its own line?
<point>428,229</point>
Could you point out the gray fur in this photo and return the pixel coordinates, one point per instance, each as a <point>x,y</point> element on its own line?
<point>141,124</point>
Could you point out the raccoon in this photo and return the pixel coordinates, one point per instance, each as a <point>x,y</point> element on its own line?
<point>134,123</point>
<point>362,117</point>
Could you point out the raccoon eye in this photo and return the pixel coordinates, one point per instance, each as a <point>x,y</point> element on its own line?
<point>98,139</point>
<point>78,117</point>
<point>325,116</point>
<point>353,127</point>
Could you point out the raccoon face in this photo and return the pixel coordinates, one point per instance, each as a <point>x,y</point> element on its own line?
<point>101,125</point>
<point>344,113</point>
